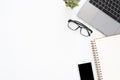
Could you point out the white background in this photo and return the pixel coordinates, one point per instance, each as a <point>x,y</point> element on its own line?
<point>36,44</point>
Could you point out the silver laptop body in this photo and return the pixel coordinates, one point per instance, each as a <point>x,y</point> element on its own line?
<point>98,19</point>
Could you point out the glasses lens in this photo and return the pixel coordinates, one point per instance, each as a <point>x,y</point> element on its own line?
<point>85,32</point>
<point>73,26</point>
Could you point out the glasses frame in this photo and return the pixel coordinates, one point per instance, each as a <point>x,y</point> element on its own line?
<point>81,26</point>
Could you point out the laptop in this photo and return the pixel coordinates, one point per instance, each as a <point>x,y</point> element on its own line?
<point>103,15</point>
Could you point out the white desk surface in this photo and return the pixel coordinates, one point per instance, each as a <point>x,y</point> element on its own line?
<point>36,44</point>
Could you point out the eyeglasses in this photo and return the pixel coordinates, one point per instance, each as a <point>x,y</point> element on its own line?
<point>84,30</point>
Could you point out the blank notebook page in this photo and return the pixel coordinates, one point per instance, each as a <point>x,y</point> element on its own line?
<point>109,57</point>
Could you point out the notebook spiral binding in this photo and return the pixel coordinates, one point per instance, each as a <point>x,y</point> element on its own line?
<point>96,60</point>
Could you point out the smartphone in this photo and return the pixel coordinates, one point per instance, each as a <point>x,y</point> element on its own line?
<point>86,72</point>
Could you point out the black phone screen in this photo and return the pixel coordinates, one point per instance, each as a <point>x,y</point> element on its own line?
<point>86,72</point>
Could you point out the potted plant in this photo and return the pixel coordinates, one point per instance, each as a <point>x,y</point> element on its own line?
<point>71,3</point>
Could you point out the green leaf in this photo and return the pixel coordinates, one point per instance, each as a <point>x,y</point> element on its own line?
<point>71,3</point>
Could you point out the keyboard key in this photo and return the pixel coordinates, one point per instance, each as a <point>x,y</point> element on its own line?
<point>110,7</point>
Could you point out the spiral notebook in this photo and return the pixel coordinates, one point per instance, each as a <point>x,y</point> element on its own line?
<point>106,53</point>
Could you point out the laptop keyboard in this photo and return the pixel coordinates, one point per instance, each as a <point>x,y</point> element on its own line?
<point>110,7</point>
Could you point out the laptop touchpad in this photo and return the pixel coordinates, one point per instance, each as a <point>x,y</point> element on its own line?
<point>105,24</point>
